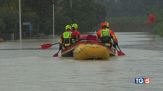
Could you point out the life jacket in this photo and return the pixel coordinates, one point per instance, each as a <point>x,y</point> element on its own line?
<point>105,37</point>
<point>75,35</point>
<point>67,38</point>
<point>105,32</point>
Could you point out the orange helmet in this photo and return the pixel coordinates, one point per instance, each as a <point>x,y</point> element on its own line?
<point>104,24</point>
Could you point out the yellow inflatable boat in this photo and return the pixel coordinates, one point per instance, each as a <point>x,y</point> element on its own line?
<point>91,51</point>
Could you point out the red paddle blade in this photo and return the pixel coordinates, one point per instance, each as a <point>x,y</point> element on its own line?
<point>120,53</point>
<point>46,46</point>
<point>55,55</point>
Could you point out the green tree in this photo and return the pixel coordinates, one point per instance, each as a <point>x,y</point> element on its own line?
<point>39,12</point>
<point>9,16</point>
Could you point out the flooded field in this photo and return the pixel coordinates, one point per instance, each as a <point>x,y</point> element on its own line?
<point>25,67</point>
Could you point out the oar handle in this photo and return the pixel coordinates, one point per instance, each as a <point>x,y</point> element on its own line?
<point>48,45</point>
<point>56,43</point>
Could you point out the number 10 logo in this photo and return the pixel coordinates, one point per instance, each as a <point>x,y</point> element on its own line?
<point>142,80</point>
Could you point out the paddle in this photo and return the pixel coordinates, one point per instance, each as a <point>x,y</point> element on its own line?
<point>48,45</point>
<point>56,54</point>
<point>119,52</point>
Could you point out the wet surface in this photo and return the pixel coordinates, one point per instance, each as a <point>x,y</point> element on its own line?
<point>25,67</point>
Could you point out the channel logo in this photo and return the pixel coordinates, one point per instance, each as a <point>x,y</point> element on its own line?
<point>142,80</point>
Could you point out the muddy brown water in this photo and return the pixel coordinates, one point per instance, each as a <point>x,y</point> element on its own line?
<point>32,69</point>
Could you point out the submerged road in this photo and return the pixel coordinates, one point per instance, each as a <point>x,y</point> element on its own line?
<point>32,69</point>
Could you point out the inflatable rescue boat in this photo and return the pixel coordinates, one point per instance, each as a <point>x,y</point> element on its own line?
<point>87,49</point>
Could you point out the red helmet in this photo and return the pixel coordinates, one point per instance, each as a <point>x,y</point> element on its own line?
<point>104,24</point>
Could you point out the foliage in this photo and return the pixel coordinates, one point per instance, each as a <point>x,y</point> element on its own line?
<point>8,16</point>
<point>158,28</point>
<point>87,13</point>
<point>39,14</point>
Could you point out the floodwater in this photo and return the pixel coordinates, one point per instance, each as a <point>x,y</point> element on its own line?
<point>25,67</point>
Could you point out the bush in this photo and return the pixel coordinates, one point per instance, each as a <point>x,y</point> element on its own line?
<point>158,29</point>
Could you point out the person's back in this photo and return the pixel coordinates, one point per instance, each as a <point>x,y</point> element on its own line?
<point>75,33</point>
<point>67,36</point>
<point>103,34</point>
